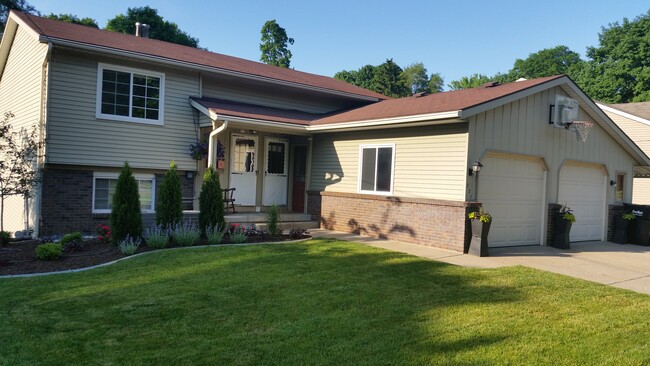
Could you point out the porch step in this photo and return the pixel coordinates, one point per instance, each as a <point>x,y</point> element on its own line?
<point>257,217</point>
<point>290,225</point>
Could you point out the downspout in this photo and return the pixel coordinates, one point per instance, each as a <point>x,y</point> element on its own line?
<point>211,139</point>
<point>42,126</point>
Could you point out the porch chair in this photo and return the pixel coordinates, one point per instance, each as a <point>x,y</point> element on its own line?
<point>228,200</point>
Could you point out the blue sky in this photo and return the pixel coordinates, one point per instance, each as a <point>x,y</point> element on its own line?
<point>454,38</point>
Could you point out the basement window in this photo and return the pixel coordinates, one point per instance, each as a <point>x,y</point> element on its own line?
<point>104,185</point>
<point>376,169</point>
<point>131,95</point>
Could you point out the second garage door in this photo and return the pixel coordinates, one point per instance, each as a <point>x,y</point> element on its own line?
<point>512,190</point>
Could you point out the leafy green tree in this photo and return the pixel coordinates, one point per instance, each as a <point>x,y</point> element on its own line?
<point>274,45</point>
<point>21,5</point>
<point>70,18</point>
<point>158,27</point>
<point>388,80</point>
<point>467,82</point>
<point>546,62</point>
<point>436,83</point>
<point>416,78</point>
<point>364,77</point>
<point>211,208</point>
<point>618,70</point>
<point>170,205</point>
<point>126,217</point>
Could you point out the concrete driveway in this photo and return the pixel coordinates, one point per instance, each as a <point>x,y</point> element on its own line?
<point>625,266</point>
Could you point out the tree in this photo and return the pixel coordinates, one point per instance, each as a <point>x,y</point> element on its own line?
<point>436,83</point>
<point>18,154</point>
<point>467,82</point>
<point>170,205</point>
<point>274,45</point>
<point>389,81</point>
<point>70,18</point>
<point>211,207</point>
<point>158,27</point>
<point>546,62</point>
<point>21,5</point>
<point>416,78</point>
<point>126,217</point>
<point>618,70</point>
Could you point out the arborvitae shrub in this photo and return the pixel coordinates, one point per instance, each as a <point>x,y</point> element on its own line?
<point>273,218</point>
<point>126,218</point>
<point>170,205</point>
<point>211,202</point>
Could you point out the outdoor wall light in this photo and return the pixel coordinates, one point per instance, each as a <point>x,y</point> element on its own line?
<point>476,167</point>
<point>612,182</point>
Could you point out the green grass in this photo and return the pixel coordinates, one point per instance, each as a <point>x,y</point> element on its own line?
<point>317,302</point>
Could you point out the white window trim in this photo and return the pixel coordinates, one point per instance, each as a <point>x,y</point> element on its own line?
<point>360,169</point>
<point>161,104</point>
<point>105,175</point>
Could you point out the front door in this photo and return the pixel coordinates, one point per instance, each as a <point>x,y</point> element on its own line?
<point>299,169</point>
<point>243,169</point>
<point>275,172</point>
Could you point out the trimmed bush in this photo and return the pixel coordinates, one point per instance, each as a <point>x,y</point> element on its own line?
<point>67,238</point>
<point>211,202</point>
<point>126,218</point>
<point>157,237</point>
<point>170,204</point>
<point>5,238</point>
<point>49,251</point>
<point>273,218</point>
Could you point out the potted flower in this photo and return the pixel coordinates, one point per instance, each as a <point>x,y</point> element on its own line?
<point>621,226</point>
<point>566,218</point>
<point>199,150</point>
<point>481,222</point>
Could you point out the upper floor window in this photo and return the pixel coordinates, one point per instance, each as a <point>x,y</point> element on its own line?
<point>131,95</point>
<point>376,168</point>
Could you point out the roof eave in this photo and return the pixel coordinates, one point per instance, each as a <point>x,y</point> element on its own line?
<point>402,121</point>
<point>199,67</point>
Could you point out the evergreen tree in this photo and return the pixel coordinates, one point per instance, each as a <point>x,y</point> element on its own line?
<point>170,205</point>
<point>211,209</point>
<point>126,218</point>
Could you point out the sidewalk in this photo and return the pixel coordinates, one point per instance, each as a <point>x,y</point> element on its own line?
<point>623,266</point>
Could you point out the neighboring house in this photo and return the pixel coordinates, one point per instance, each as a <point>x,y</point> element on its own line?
<point>356,160</point>
<point>634,120</point>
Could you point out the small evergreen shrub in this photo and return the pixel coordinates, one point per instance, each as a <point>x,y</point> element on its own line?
<point>211,209</point>
<point>67,238</point>
<point>129,245</point>
<point>157,236</point>
<point>297,233</point>
<point>238,234</point>
<point>186,234</point>
<point>273,218</point>
<point>214,234</point>
<point>49,251</point>
<point>126,218</point>
<point>170,204</point>
<point>5,238</point>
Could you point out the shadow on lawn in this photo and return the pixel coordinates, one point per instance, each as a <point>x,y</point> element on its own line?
<point>322,301</point>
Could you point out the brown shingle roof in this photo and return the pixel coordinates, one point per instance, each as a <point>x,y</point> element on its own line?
<point>640,109</point>
<point>57,30</point>
<point>243,110</point>
<point>432,103</point>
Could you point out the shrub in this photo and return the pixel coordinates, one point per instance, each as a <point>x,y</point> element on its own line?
<point>186,234</point>
<point>297,233</point>
<point>129,245</point>
<point>238,234</point>
<point>214,234</point>
<point>273,217</point>
<point>49,251</point>
<point>5,238</point>
<point>211,202</point>
<point>157,236</point>
<point>170,205</point>
<point>103,233</point>
<point>67,238</point>
<point>126,218</point>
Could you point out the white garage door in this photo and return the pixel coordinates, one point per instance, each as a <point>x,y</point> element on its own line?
<point>582,188</point>
<point>512,190</point>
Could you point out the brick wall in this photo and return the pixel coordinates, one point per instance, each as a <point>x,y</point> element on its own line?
<point>436,223</point>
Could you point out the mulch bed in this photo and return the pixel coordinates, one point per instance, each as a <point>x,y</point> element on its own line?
<point>20,257</point>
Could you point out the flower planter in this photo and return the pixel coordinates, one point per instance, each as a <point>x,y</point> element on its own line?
<point>562,230</point>
<point>479,244</point>
<point>620,230</point>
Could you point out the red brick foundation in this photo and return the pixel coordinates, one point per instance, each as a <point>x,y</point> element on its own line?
<point>436,223</point>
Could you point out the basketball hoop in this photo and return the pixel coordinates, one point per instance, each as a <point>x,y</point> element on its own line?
<point>581,129</point>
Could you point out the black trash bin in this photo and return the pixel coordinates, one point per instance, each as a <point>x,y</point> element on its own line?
<point>639,231</point>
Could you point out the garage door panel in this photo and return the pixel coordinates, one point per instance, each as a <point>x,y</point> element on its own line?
<point>582,188</point>
<point>511,189</point>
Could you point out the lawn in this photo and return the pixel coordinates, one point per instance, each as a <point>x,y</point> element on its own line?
<point>317,302</point>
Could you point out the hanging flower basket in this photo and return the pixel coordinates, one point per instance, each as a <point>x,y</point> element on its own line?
<point>199,150</point>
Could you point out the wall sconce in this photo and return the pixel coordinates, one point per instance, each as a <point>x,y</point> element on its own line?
<point>612,182</point>
<point>189,175</point>
<point>476,167</point>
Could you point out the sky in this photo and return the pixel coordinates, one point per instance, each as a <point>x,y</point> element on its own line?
<point>453,38</point>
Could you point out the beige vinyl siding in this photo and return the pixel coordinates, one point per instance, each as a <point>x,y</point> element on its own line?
<point>522,127</point>
<point>77,137</point>
<point>641,193</point>
<point>637,131</point>
<point>430,162</point>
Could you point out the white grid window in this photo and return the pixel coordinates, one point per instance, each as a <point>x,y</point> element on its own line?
<point>104,189</point>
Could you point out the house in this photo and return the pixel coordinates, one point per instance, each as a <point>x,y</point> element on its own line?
<point>354,159</point>
<point>634,120</point>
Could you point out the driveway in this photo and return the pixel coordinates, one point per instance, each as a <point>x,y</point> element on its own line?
<point>625,266</point>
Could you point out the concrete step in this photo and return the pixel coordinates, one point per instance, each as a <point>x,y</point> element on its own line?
<point>256,217</point>
<point>289,225</point>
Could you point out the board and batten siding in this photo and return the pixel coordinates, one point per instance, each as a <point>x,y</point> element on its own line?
<point>77,137</point>
<point>522,127</point>
<point>430,162</point>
